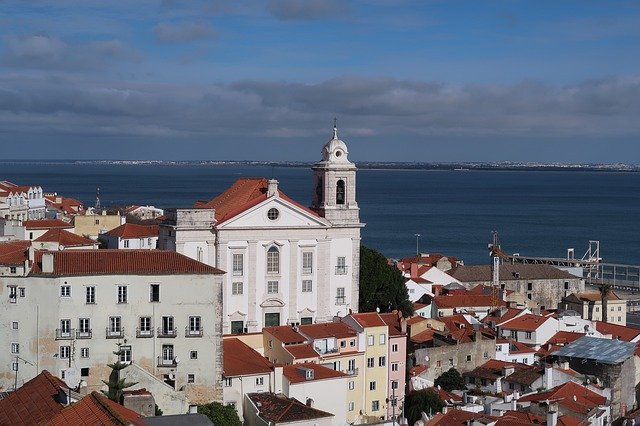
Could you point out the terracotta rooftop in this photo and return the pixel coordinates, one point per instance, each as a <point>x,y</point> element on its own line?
<point>620,332</point>
<point>423,336</point>
<point>508,272</point>
<point>241,360</point>
<point>393,320</point>
<point>280,409</point>
<point>369,319</point>
<point>464,300</point>
<point>286,334</point>
<point>302,351</point>
<point>456,418</point>
<point>64,238</point>
<point>416,319</point>
<point>14,252</point>
<point>492,369</point>
<point>339,330</point>
<point>525,376</point>
<point>446,396</point>
<point>320,372</point>
<point>242,195</point>
<point>64,204</point>
<point>593,296</point>
<point>95,409</point>
<point>46,224</point>
<point>516,347</point>
<point>34,402</point>
<point>501,315</point>
<point>564,337</point>
<point>132,230</point>
<point>526,322</point>
<point>569,395</point>
<point>120,262</point>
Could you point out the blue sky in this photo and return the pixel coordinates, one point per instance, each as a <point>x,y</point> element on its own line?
<point>439,81</point>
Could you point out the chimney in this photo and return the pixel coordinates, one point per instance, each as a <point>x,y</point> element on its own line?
<point>508,370</point>
<point>47,263</point>
<point>414,270</point>
<point>548,377</point>
<point>277,379</point>
<point>552,418</point>
<point>272,188</point>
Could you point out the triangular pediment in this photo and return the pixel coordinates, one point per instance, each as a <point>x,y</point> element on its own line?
<point>275,212</point>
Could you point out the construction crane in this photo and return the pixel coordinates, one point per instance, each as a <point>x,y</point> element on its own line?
<point>496,253</point>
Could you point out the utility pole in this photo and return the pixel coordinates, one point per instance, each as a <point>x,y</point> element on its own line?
<point>417,245</point>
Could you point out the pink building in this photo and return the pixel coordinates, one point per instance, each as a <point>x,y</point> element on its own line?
<point>397,358</point>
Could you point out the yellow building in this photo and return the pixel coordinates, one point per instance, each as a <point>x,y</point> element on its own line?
<point>92,224</point>
<point>589,305</point>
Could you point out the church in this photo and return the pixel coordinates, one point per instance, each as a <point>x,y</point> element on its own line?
<point>285,263</point>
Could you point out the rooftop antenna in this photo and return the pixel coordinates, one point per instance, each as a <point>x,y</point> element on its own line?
<point>335,128</point>
<point>97,197</point>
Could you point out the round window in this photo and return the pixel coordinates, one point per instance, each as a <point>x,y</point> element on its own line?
<point>338,153</point>
<point>273,214</point>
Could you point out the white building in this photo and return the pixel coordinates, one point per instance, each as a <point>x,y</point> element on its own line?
<point>286,263</point>
<point>74,307</point>
<point>21,202</point>
<point>130,236</point>
<point>532,330</point>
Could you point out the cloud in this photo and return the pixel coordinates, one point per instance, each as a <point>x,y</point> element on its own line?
<point>183,31</point>
<point>307,10</point>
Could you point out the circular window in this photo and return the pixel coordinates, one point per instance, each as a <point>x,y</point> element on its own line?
<point>338,153</point>
<point>273,214</point>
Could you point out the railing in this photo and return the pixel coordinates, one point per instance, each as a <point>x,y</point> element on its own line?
<point>341,300</point>
<point>84,334</point>
<point>64,334</point>
<point>162,362</point>
<point>115,334</point>
<point>351,372</point>
<point>144,333</point>
<point>192,333</point>
<point>342,270</point>
<point>307,271</point>
<point>167,332</point>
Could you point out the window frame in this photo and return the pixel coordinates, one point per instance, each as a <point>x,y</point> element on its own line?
<point>237,288</point>
<point>307,286</point>
<point>273,260</point>
<point>237,262</point>
<point>123,293</point>
<point>90,295</point>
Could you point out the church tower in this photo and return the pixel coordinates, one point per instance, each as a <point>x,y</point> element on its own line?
<point>335,184</point>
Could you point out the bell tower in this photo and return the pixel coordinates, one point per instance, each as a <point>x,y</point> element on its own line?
<point>335,184</point>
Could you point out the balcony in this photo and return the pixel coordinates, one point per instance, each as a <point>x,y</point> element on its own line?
<point>167,332</point>
<point>115,334</point>
<point>162,362</point>
<point>83,334</point>
<point>342,270</point>
<point>352,372</point>
<point>144,333</point>
<point>64,334</point>
<point>192,333</point>
<point>341,300</point>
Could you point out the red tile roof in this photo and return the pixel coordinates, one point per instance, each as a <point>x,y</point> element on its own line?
<point>280,409</point>
<point>416,319</point>
<point>64,238</point>
<point>242,195</point>
<point>320,372</point>
<point>564,337</point>
<point>526,322</point>
<point>516,347</point>
<point>302,351</point>
<point>568,420</point>
<point>339,330</point>
<point>285,334</point>
<point>393,320</point>
<point>120,262</point>
<point>46,224</point>
<point>569,395</point>
<point>464,300</point>
<point>501,315</point>
<point>132,230</point>
<point>446,396</point>
<point>66,205</point>
<point>423,336</point>
<point>95,409</point>
<point>34,402</point>
<point>241,360</point>
<point>369,319</point>
<point>14,252</point>
<point>456,418</point>
<point>594,296</point>
<point>417,370</point>
<point>618,331</point>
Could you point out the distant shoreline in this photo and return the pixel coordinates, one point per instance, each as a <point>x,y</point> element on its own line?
<point>365,165</point>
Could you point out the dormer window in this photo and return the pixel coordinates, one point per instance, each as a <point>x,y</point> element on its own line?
<point>340,192</point>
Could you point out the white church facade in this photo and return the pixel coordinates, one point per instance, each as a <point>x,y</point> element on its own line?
<point>285,263</point>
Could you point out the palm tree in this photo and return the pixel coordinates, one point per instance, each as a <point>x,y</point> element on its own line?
<point>605,290</point>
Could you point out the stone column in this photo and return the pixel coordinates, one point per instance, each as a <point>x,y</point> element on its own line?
<point>325,300</point>
<point>355,274</point>
<point>252,320</point>
<point>293,280</point>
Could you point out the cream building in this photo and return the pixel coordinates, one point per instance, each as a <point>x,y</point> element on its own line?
<point>589,305</point>
<point>287,264</point>
<point>74,308</point>
<point>92,223</point>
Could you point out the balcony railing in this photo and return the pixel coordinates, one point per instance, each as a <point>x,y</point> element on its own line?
<point>62,334</point>
<point>341,300</point>
<point>342,270</point>
<point>144,333</point>
<point>115,334</point>
<point>163,362</point>
<point>352,372</point>
<point>192,333</point>
<point>167,332</point>
<point>83,334</point>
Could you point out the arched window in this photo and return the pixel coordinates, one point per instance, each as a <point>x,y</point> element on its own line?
<point>340,192</point>
<point>273,260</point>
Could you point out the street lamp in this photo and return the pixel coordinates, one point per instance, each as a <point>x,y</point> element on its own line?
<point>417,244</point>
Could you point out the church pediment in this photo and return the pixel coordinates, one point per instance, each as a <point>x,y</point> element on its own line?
<point>275,212</point>
<point>272,303</point>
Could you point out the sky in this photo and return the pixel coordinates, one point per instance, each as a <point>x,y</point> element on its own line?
<point>424,80</point>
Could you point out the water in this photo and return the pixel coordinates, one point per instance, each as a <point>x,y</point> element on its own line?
<point>536,213</point>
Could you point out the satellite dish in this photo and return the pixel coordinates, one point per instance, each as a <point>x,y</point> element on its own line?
<point>71,378</point>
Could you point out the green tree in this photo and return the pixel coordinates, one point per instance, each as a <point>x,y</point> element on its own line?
<point>381,285</point>
<point>115,383</point>
<point>450,380</point>
<point>220,414</point>
<point>422,401</point>
<point>605,290</point>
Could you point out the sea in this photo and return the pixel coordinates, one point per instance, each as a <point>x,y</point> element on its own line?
<point>536,213</point>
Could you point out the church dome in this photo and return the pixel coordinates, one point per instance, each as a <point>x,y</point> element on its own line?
<point>335,150</point>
